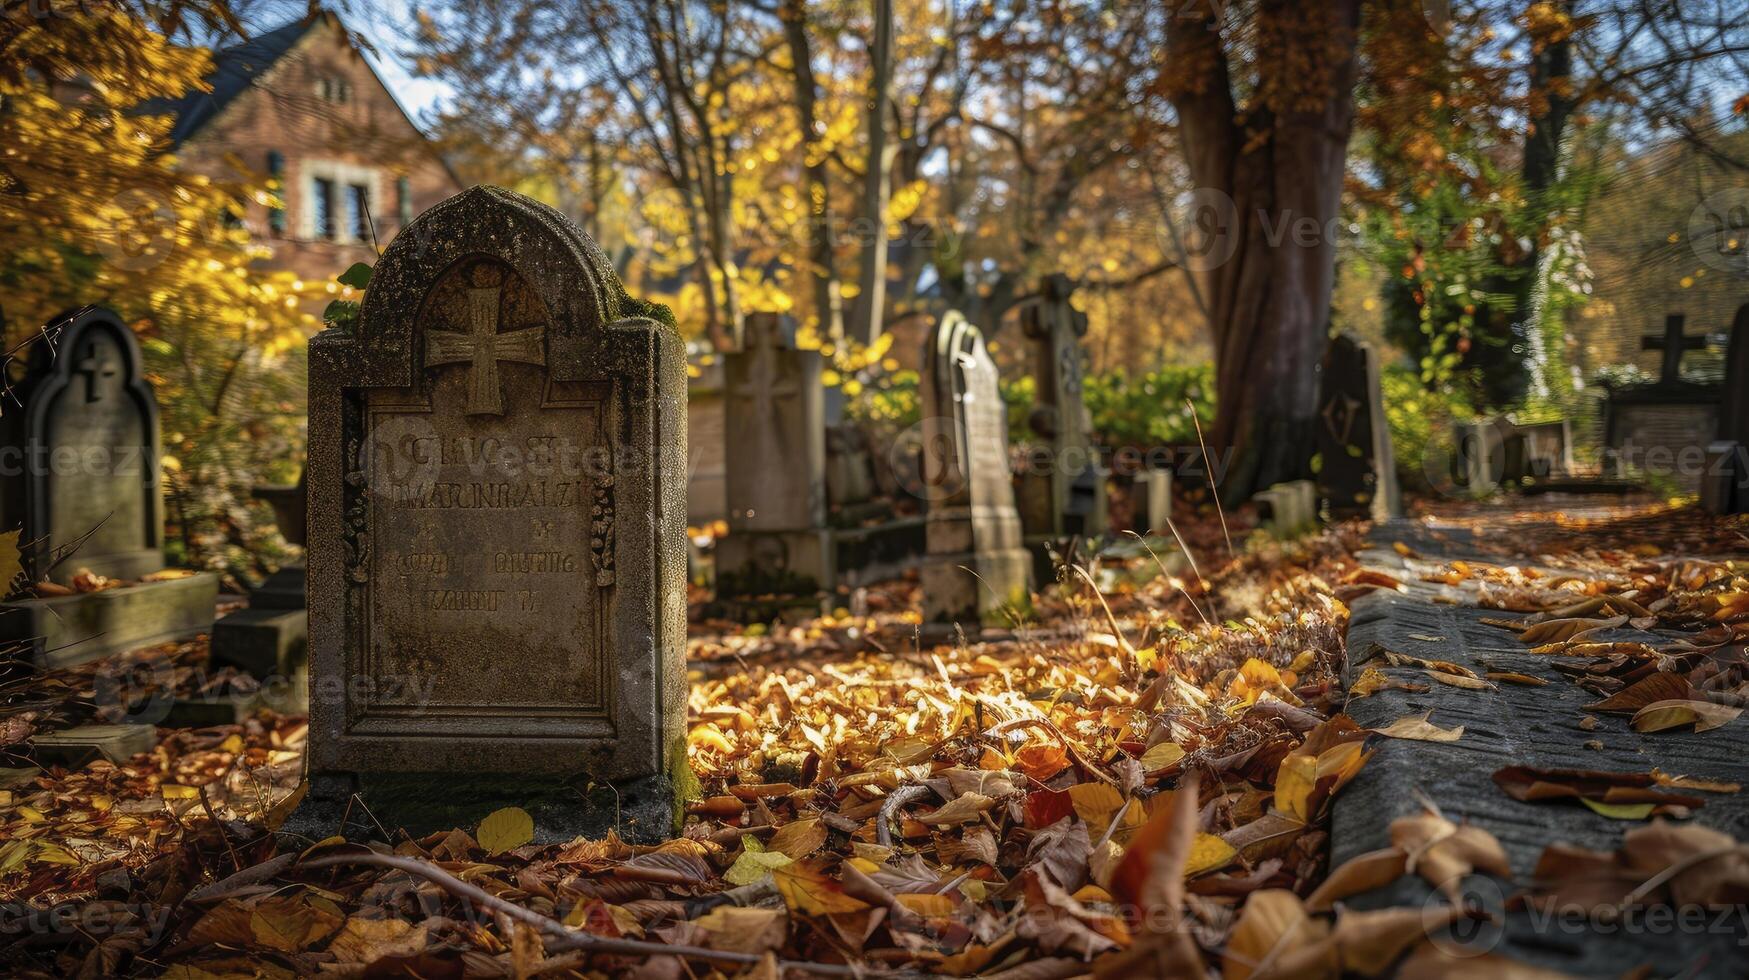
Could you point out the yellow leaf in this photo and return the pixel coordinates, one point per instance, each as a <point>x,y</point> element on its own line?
<point>1097,804</point>
<point>1162,755</point>
<point>807,891</point>
<point>1417,727</point>
<point>754,863</point>
<point>1620,811</point>
<point>1294,779</point>
<point>505,829</point>
<point>1207,853</point>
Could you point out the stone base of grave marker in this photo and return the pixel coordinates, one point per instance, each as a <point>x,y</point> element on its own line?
<point>1156,487</point>
<point>260,642</point>
<point>75,629</point>
<point>791,563</point>
<point>363,807</point>
<point>75,748</point>
<point>1290,508</point>
<point>977,588</point>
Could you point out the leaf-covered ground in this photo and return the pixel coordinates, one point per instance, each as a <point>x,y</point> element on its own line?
<point>1133,783</point>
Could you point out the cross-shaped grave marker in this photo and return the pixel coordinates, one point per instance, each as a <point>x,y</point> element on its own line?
<point>764,381</point>
<point>1674,343</point>
<point>482,347</point>
<point>95,364</point>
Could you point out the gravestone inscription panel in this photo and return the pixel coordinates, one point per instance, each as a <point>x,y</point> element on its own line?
<point>497,550</point>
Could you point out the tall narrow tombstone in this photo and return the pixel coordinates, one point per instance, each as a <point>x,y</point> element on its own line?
<point>79,475</point>
<point>1357,474</point>
<point>977,570</point>
<point>497,545</point>
<point>1076,485</point>
<point>775,454</point>
<point>1725,485</point>
<point>1157,492</point>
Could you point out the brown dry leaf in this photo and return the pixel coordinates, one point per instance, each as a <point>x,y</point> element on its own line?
<point>1696,783</point>
<point>1558,630</point>
<point>745,930</point>
<point>1272,920</point>
<point>1715,866</point>
<point>290,924</point>
<point>363,940</point>
<point>1361,873</point>
<point>799,838</point>
<point>1372,680</point>
<point>1660,686</point>
<point>1512,677</point>
<point>1417,727</point>
<point>1458,680</point>
<point>964,809</point>
<point>1703,715</point>
<point>1444,853</point>
<point>1535,785</point>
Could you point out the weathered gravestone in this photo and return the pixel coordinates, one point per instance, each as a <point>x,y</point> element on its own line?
<point>1662,429</point>
<point>977,571</point>
<point>1156,487</point>
<point>706,470</point>
<point>497,543</point>
<point>1061,489</point>
<point>775,452</point>
<point>79,469</point>
<point>1357,474</point>
<point>1725,485</point>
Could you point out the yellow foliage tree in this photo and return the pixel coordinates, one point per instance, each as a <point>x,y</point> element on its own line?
<point>93,210</point>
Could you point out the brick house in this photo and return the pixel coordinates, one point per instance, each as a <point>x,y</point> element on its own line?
<point>301,105</point>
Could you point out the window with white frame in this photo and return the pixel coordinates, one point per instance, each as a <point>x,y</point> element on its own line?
<point>340,197</point>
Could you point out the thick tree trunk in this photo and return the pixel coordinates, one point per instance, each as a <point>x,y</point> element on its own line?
<point>870,306</point>
<point>828,307</point>
<point>1268,268</point>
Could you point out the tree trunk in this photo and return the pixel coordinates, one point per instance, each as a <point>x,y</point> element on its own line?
<point>1269,269</point>
<point>828,304</point>
<point>865,322</point>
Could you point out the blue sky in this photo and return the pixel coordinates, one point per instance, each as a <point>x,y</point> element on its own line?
<point>389,26</point>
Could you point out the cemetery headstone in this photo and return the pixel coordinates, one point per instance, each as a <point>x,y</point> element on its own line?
<point>1069,497</point>
<point>497,542</point>
<point>706,470</point>
<point>79,475</point>
<point>977,572</point>
<point>1157,495</point>
<point>1357,474</point>
<point>1725,487</point>
<point>775,452</point>
<point>1662,429</point>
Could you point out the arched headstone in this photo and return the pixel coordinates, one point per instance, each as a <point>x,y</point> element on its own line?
<point>497,551</point>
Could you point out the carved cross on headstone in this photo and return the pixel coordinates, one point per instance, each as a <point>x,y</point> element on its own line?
<point>481,347</point>
<point>763,383</point>
<point>1674,343</point>
<point>95,364</point>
